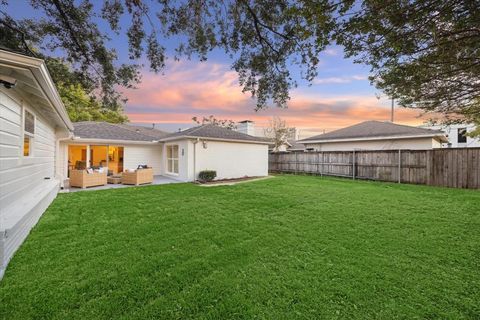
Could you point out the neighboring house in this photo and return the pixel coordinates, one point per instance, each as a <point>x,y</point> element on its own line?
<point>376,135</point>
<point>32,120</point>
<point>180,155</point>
<point>290,144</point>
<point>457,135</point>
<point>286,146</point>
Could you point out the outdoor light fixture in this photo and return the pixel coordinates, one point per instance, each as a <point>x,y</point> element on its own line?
<point>7,82</point>
<point>204,144</point>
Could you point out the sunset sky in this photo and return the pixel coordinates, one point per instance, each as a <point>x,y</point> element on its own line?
<point>340,96</point>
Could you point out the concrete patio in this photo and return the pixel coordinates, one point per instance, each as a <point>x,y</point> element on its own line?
<point>156,181</point>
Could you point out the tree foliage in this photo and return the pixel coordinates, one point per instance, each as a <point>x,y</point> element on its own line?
<point>225,123</point>
<point>262,37</point>
<point>82,107</point>
<point>424,53</point>
<point>279,132</point>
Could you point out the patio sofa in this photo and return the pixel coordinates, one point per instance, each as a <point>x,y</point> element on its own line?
<point>139,176</point>
<point>83,179</point>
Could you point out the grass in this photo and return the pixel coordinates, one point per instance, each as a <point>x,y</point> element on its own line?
<point>292,247</point>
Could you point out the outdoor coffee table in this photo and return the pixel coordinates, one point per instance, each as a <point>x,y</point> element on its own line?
<point>114,179</point>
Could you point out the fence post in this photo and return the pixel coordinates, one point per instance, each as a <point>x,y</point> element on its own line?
<point>353,164</point>
<point>399,166</point>
<point>296,163</point>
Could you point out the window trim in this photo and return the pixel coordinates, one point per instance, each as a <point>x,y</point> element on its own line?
<point>172,159</point>
<point>462,136</point>
<point>25,133</point>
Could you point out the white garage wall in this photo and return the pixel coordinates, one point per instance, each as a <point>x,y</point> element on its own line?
<point>232,159</point>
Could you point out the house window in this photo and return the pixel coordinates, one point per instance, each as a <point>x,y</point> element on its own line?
<point>29,132</point>
<point>172,159</point>
<point>26,146</point>
<point>462,135</point>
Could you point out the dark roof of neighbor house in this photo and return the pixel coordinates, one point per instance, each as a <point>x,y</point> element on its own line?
<point>112,131</point>
<point>215,132</point>
<point>373,129</point>
<point>295,145</point>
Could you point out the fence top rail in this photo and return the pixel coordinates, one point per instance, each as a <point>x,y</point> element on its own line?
<point>372,151</point>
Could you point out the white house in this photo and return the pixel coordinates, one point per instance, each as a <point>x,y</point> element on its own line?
<point>376,135</point>
<point>180,155</point>
<point>289,144</point>
<point>39,144</point>
<point>457,135</point>
<point>32,121</point>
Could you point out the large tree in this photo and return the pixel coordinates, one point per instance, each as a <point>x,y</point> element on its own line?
<point>424,53</point>
<point>262,37</point>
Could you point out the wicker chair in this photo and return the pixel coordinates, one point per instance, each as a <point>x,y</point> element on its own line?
<point>83,179</point>
<point>140,176</point>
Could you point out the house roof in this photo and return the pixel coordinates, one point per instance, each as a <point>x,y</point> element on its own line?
<point>214,132</point>
<point>111,131</point>
<point>35,84</point>
<point>295,145</point>
<point>150,132</point>
<point>374,130</point>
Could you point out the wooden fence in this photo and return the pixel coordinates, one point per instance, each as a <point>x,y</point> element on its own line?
<point>453,167</point>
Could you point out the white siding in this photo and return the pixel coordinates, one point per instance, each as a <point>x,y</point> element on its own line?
<point>135,155</point>
<point>451,131</point>
<point>24,191</point>
<point>19,174</point>
<point>392,144</point>
<point>232,159</point>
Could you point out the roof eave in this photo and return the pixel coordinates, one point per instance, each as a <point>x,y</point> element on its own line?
<point>42,78</point>
<point>434,135</point>
<point>110,141</point>
<point>213,139</point>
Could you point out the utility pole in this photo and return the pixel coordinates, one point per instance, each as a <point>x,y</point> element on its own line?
<point>393,110</point>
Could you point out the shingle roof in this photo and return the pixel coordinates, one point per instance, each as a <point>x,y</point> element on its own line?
<point>295,145</point>
<point>150,132</point>
<point>373,129</point>
<point>216,132</point>
<point>110,131</point>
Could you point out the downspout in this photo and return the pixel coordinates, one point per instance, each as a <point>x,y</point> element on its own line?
<point>195,159</point>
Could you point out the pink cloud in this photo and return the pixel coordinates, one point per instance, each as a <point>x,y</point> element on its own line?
<point>200,89</point>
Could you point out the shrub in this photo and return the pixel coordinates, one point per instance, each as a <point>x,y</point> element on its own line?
<point>207,175</point>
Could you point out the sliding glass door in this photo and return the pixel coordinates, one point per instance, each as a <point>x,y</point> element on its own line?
<point>98,156</point>
<point>115,159</point>
<point>95,156</point>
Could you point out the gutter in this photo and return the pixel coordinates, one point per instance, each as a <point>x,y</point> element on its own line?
<point>213,139</point>
<point>111,141</point>
<point>195,158</point>
<point>371,139</point>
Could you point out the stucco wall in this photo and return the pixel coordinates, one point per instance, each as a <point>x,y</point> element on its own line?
<point>135,155</point>
<point>415,144</point>
<point>232,160</point>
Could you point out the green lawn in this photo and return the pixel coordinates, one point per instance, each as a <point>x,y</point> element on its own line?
<point>291,247</point>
